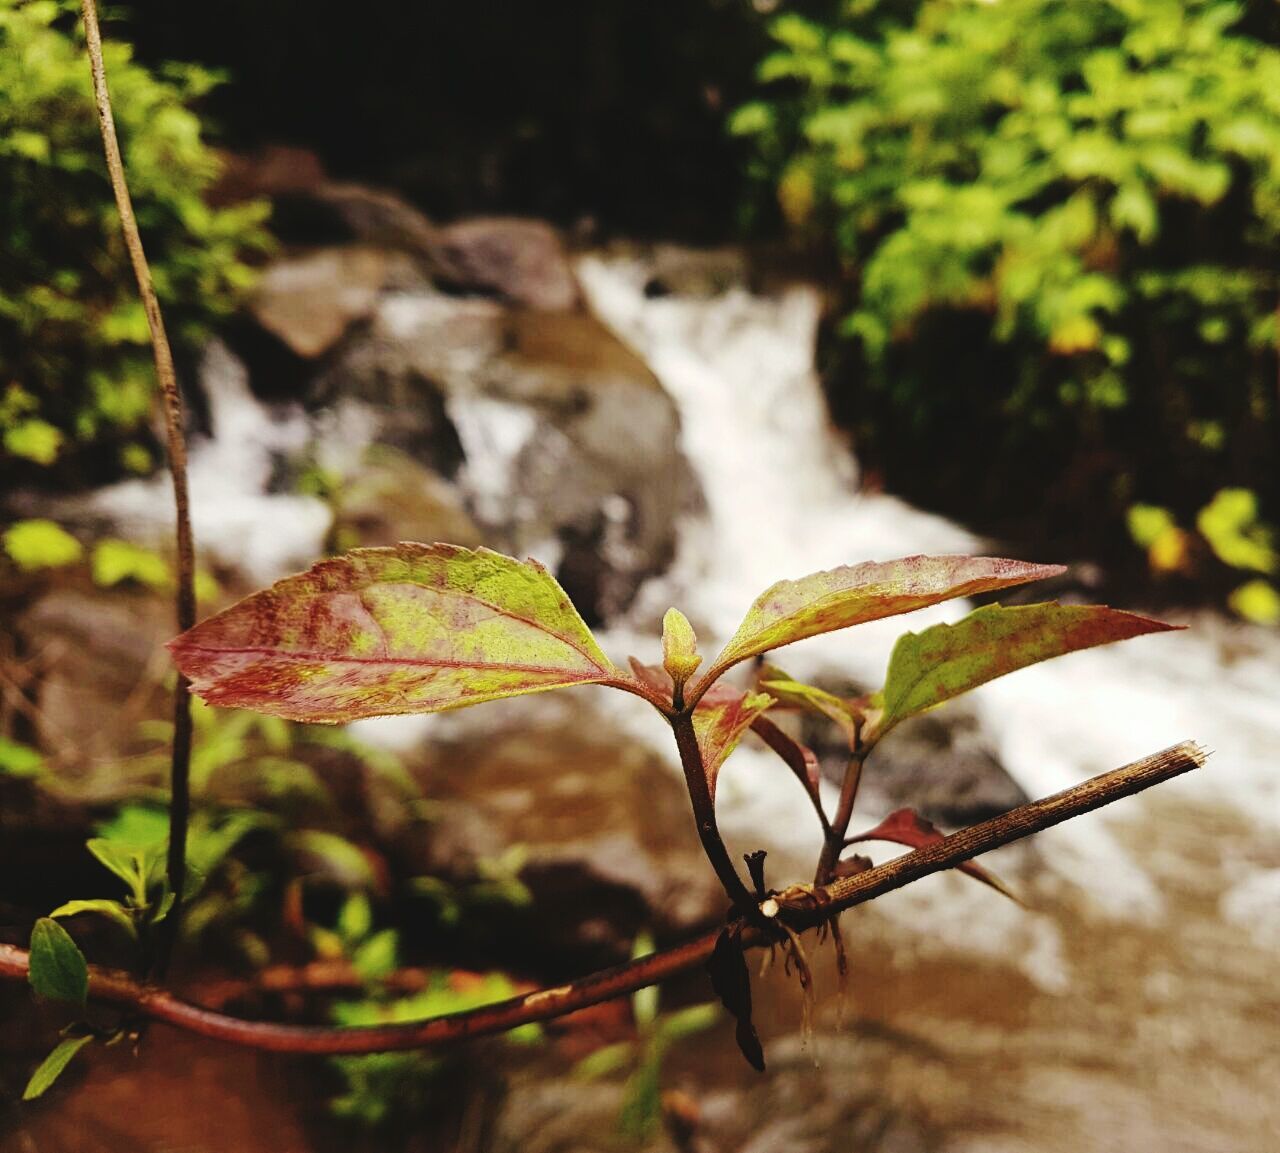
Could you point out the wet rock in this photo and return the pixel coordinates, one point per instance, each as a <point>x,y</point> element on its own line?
<point>375,217</point>
<point>309,301</point>
<point>520,261</point>
<point>98,661</point>
<point>943,766</point>
<point>393,498</point>
<point>571,444</point>
<point>610,847</point>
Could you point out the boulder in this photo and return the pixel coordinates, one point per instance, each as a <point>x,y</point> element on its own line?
<point>520,261</point>
<point>309,301</point>
<point>604,824</point>
<point>571,444</point>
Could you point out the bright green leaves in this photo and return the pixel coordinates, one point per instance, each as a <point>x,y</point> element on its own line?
<point>838,598</point>
<point>944,661</point>
<point>58,971</point>
<point>413,628</point>
<point>51,1068</point>
<point>679,648</point>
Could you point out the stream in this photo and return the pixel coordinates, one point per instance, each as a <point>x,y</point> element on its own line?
<point>1131,1006</point>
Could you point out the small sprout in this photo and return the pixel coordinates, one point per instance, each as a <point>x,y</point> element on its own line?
<point>679,649</point>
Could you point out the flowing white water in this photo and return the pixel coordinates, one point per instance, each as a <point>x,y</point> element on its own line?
<point>237,521</point>
<point>782,501</point>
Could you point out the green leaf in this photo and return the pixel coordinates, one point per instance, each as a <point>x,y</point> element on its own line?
<point>40,544</point>
<point>944,661</point>
<point>52,1066</point>
<point>58,969</point>
<point>409,629</point>
<point>1256,601</point>
<point>604,1062</point>
<point>19,760</point>
<point>113,910</point>
<point>118,560</point>
<point>790,691</point>
<point>34,440</point>
<point>342,860</point>
<point>688,1021</point>
<point>126,861</point>
<point>1231,526</point>
<point>679,647</point>
<point>838,598</point>
<point>376,958</point>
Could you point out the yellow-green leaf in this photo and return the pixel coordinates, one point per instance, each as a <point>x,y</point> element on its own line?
<point>944,661</point>
<point>51,1068</point>
<point>838,598</point>
<point>790,691</point>
<point>408,629</point>
<point>39,544</point>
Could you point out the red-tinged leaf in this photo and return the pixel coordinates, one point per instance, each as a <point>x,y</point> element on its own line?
<point>719,722</point>
<point>653,677</point>
<point>799,758</point>
<point>825,601</point>
<point>409,629</point>
<point>907,827</point>
<point>944,661</point>
<point>790,691</point>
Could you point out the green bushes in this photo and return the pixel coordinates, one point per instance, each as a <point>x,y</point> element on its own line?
<point>1060,223</point>
<point>74,360</point>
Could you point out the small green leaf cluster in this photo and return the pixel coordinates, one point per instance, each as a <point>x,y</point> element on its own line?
<point>1092,189</point>
<point>1230,526</point>
<point>381,1088</point>
<point>74,348</point>
<point>642,1058</point>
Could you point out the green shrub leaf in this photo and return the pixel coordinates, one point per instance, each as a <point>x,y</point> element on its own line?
<point>825,601</point>
<point>113,910</point>
<point>58,969</point>
<point>409,629</point>
<point>52,1066</point>
<point>944,661</point>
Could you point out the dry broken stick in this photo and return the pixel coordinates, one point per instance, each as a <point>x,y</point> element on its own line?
<point>161,1005</point>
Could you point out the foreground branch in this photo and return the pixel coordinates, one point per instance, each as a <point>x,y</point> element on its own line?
<point>180,772</point>
<point>160,1005</point>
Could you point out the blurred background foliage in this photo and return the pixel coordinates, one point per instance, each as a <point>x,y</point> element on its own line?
<point>1058,228</point>
<point>75,362</point>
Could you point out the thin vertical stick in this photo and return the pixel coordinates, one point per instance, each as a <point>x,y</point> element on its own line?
<point>180,792</point>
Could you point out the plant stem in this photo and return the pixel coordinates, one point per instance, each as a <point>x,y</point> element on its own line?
<point>180,770</point>
<point>704,813</point>
<point>834,834</point>
<point>546,1004</point>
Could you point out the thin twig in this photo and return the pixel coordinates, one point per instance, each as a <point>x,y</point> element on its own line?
<point>180,771</point>
<point>545,1004</point>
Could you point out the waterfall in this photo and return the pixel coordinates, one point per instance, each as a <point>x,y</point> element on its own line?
<point>782,501</point>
